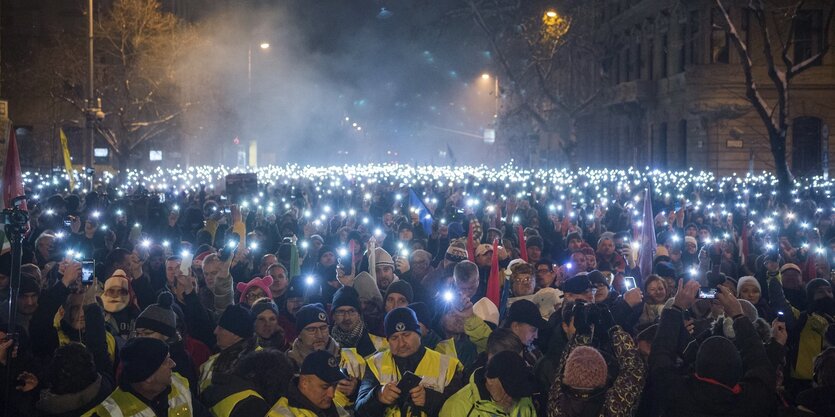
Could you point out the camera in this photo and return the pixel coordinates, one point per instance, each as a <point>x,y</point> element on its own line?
<point>16,217</point>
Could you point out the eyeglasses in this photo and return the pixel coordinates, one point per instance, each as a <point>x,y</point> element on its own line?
<point>522,280</point>
<point>319,329</point>
<point>254,295</point>
<point>345,313</point>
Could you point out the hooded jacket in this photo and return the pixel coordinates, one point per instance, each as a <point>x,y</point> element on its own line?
<point>689,396</point>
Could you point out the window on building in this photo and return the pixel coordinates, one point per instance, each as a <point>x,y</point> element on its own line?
<point>665,53</point>
<point>808,35</point>
<point>719,52</point>
<point>651,59</point>
<point>745,27</point>
<point>682,50</point>
<point>627,65</point>
<point>637,62</point>
<point>659,154</point>
<point>682,144</point>
<point>693,38</point>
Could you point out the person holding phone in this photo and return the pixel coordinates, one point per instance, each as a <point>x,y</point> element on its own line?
<point>381,393</point>
<point>312,392</point>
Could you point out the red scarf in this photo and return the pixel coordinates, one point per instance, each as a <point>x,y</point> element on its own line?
<point>736,389</point>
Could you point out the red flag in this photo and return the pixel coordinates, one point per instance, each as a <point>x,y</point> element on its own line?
<point>493,284</point>
<point>12,178</point>
<point>523,247</point>
<point>470,244</point>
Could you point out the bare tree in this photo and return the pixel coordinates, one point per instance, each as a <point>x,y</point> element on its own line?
<point>777,21</point>
<point>547,66</point>
<point>139,50</point>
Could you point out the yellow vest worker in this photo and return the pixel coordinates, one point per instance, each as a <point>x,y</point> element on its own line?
<point>385,391</point>
<point>148,386</point>
<point>234,327</point>
<point>311,394</point>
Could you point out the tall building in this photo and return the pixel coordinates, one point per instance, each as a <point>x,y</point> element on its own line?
<point>672,91</point>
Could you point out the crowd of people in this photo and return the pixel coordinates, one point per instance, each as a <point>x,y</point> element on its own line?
<point>401,291</point>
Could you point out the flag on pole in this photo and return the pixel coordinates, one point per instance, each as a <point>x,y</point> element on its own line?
<point>471,243</point>
<point>12,179</point>
<point>67,159</point>
<point>648,244</point>
<point>493,284</point>
<point>424,215</point>
<point>523,247</point>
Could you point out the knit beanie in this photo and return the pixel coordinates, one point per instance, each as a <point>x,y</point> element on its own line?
<point>422,313</point>
<point>261,305</point>
<point>346,297</point>
<point>262,283</point>
<point>236,319</point>
<point>309,314</point>
<point>585,369</point>
<point>383,257</point>
<point>534,241</point>
<point>401,319</point>
<point>747,280</point>
<point>28,285</point>
<point>814,285</point>
<point>719,360</point>
<point>367,288</point>
<point>159,317</point>
<point>141,357</point>
<point>691,240</point>
<point>457,251</point>
<point>401,287</point>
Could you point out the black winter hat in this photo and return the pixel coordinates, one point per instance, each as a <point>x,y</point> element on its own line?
<point>401,319</point>
<point>665,270</point>
<point>422,312</point>
<point>28,285</point>
<point>236,319</point>
<point>401,287</point>
<point>159,317</point>
<point>261,305</point>
<point>577,284</point>
<point>296,287</point>
<point>324,365</point>
<point>345,297</point>
<point>811,287</point>
<point>719,360</point>
<point>516,378</point>
<point>534,241</point>
<point>525,311</point>
<point>309,314</point>
<point>141,357</point>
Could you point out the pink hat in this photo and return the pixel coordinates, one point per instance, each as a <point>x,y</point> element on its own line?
<point>262,283</point>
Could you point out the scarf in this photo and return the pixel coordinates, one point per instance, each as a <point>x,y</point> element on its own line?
<point>347,339</point>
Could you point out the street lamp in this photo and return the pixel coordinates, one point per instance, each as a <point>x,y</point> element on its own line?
<point>264,46</point>
<point>486,76</point>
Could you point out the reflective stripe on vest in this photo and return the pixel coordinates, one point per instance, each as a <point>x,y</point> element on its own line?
<point>124,404</point>
<point>282,409</point>
<point>225,406</point>
<point>354,364</point>
<point>380,343</point>
<point>447,347</point>
<point>206,371</point>
<point>436,370</point>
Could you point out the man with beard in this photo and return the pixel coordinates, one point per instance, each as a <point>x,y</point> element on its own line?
<point>27,302</point>
<point>349,329</point>
<point>294,302</point>
<point>120,312</point>
<point>384,269</point>
<point>314,334</point>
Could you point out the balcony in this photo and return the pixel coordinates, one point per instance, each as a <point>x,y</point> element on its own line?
<point>637,92</point>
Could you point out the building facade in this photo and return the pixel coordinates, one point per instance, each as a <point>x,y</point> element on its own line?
<point>672,93</point>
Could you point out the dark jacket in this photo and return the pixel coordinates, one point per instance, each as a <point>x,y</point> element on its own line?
<point>75,404</point>
<point>250,406</point>
<point>686,396</point>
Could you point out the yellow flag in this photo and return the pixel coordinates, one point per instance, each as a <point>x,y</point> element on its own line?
<point>67,160</point>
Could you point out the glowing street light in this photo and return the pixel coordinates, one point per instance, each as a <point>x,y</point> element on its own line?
<point>551,14</point>
<point>265,45</point>
<point>485,76</point>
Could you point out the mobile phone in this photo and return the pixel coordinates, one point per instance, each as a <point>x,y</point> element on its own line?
<point>185,264</point>
<point>707,293</point>
<point>88,268</point>
<point>407,382</point>
<point>68,221</point>
<point>781,317</point>
<point>629,283</point>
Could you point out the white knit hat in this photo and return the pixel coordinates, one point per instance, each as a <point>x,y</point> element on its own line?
<point>486,310</point>
<point>747,280</point>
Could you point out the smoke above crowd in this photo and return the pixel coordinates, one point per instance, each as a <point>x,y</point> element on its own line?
<point>335,82</point>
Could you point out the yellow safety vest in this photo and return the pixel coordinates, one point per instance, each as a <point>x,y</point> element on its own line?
<point>436,372</point>
<point>225,406</point>
<point>124,404</point>
<point>206,373</point>
<point>282,409</point>
<point>64,340</point>
<point>354,364</point>
<point>380,343</point>
<point>447,347</point>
